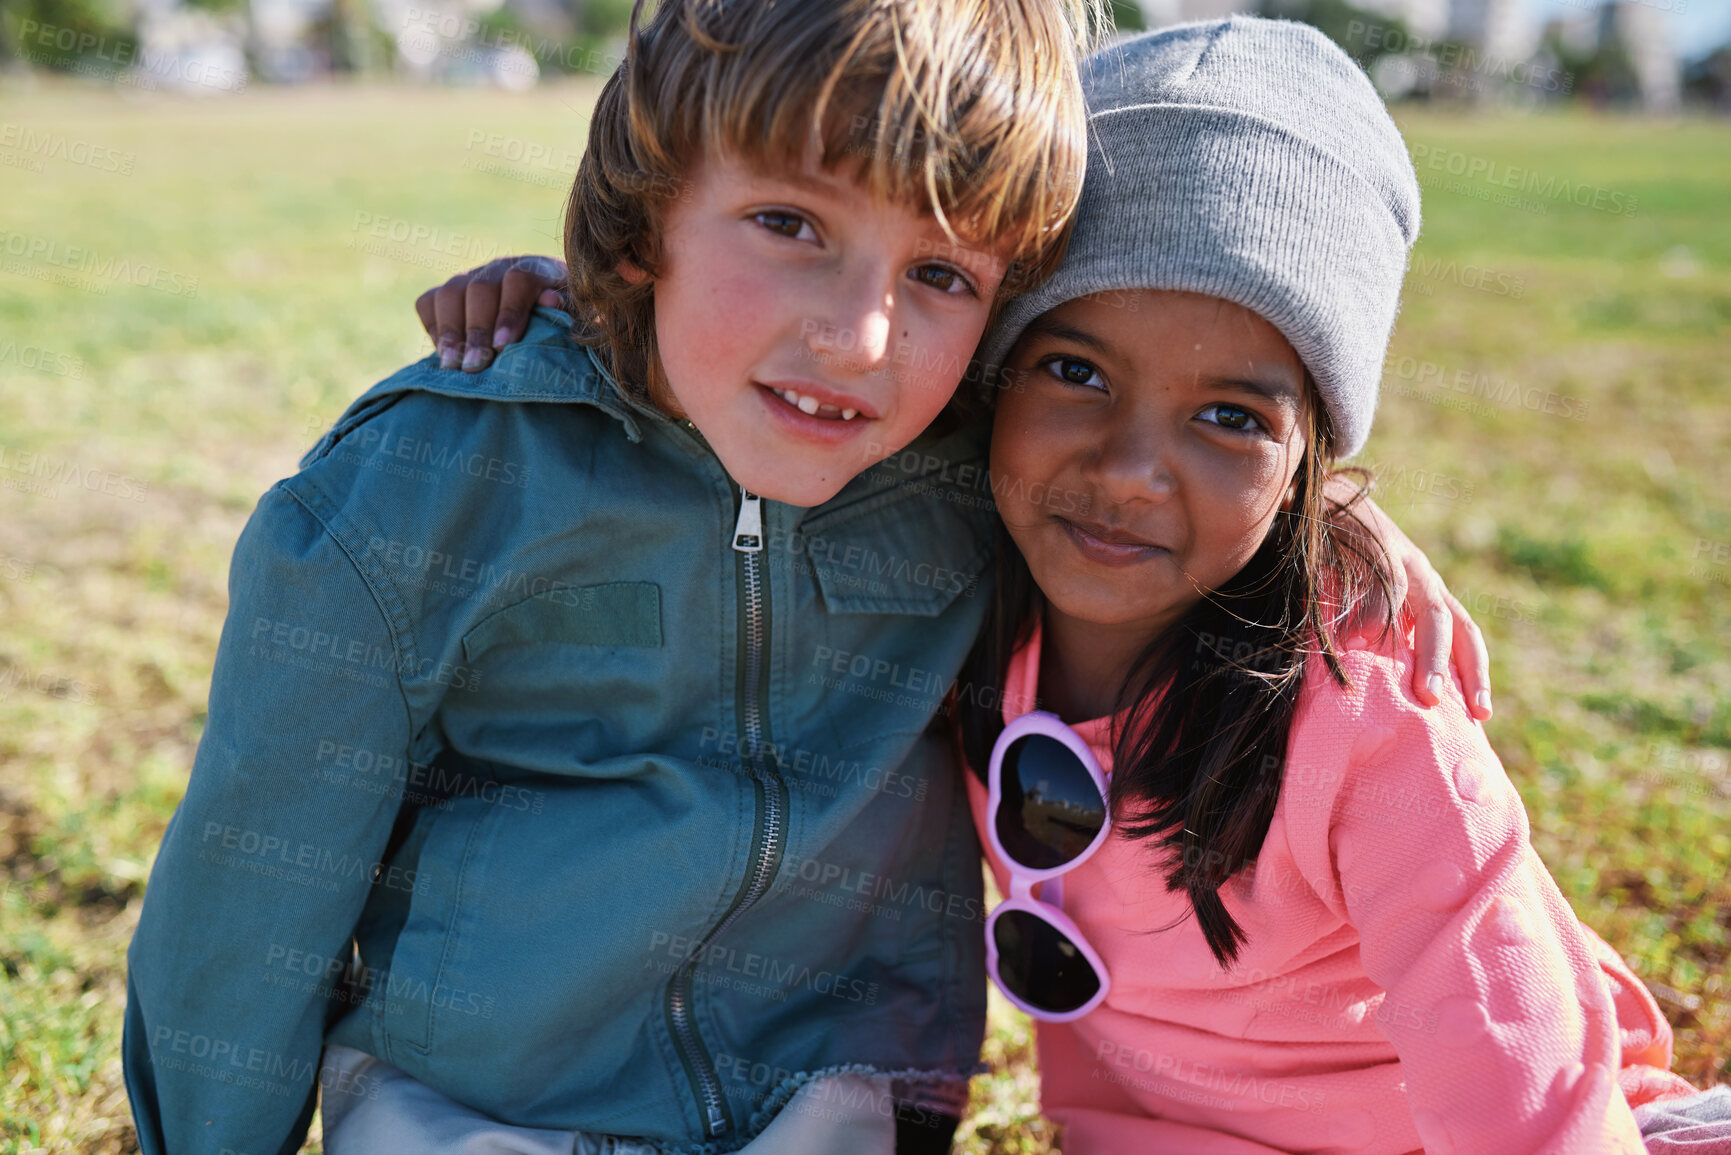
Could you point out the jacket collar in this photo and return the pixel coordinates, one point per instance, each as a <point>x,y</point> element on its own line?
<point>545,366</point>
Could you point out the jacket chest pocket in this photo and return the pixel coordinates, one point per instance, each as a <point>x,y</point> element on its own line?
<point>612,614</point>
<point>901,553</point>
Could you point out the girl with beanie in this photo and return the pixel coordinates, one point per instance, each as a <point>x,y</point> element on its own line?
<point>1264,899</point>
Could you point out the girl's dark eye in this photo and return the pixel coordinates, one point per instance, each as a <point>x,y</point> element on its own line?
<point>1073,371</point>
<point>942,278</point>
<point>1230,417</point>
<point>786,224</point>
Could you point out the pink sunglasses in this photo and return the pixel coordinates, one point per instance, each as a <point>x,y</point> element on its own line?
<point>1048,816</point>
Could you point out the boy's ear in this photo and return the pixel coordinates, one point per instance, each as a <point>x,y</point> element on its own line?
<point>631,273</point>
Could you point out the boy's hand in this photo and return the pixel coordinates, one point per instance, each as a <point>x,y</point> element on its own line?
<point>1441,625</point>
<point>476,313</point>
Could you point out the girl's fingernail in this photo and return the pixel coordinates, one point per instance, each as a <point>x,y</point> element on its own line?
<point>501,337</point>
<point>1485,701</point>
<point>447,356</point>
<point>472,358</point>
<point>1434,684</point>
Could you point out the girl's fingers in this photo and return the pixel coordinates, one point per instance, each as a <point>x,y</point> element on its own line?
<point>448,310</point>
<point>552,298</point>
<point>517,299</point>
<point>424,310</point>
<point>480,312</point>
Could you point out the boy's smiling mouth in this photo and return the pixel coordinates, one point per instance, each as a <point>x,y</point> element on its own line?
<point>816,410</point>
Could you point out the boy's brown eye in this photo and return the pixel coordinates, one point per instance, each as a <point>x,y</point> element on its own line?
<point>939,278</point>
<point>786,224</point>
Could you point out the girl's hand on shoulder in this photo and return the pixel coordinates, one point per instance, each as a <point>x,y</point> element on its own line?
<point>1442,628</point>
<point>474,314</point>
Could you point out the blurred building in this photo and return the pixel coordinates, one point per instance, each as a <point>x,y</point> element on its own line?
<point>1639,29</point>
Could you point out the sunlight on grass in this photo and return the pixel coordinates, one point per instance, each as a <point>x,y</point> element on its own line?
<point>1559,450</point>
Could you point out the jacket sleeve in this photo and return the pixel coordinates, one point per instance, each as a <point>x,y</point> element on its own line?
<point>246,926</point>
<point>1492,998</point>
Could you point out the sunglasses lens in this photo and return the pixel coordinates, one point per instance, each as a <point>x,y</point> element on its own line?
<point>1039,965</point>
<point>1051,809</point>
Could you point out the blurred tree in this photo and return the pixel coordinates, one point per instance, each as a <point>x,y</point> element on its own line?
<point>59,34</point>
<point>1127,16</point>
<point>1708,80</point>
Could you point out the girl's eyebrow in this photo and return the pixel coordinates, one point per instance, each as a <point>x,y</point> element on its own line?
<point>1041,327</point>
<point>1280,393</point>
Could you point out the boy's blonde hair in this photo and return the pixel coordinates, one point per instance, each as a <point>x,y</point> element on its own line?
<point>969,109</point>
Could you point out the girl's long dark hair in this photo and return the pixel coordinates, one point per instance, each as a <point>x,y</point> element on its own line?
<point>1207,708</point>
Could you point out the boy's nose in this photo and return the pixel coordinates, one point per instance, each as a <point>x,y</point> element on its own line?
<point>852,335</point>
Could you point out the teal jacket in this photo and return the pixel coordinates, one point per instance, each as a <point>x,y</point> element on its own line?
<point>549,768</point>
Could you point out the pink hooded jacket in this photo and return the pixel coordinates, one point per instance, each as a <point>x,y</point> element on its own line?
<point>1412,979</point>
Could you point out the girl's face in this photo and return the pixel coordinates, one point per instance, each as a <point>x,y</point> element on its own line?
<point>1143,454</point>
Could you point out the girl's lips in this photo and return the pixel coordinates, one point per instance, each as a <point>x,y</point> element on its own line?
<point>1106,551</point>
<point>822,430</point>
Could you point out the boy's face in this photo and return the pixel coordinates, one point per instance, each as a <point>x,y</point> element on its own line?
<point>807,329</point>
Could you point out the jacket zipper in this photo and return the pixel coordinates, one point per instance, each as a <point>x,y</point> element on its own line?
<point>771,826</point>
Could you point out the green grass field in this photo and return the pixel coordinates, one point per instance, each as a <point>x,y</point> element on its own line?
<point>1554,431</point>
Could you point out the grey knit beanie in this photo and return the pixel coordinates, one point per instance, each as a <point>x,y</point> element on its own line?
<point>1252,160</point>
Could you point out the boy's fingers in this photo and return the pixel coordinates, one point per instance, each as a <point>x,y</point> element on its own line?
<point>1401,577</point>
<point>1435,641</point>
<point>1472,659</point>
<point>448,310</point>
<point>480,313</point>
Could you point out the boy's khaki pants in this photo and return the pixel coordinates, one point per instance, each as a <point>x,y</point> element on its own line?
<point>376,1109</point>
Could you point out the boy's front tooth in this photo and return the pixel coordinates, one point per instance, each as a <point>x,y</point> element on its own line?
<point>808,405</point>
<point>849,414</point>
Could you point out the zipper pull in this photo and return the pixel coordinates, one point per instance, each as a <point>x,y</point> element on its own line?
<point>748,530</point>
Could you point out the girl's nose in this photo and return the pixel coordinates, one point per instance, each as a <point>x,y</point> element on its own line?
<point>1131,460</point>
